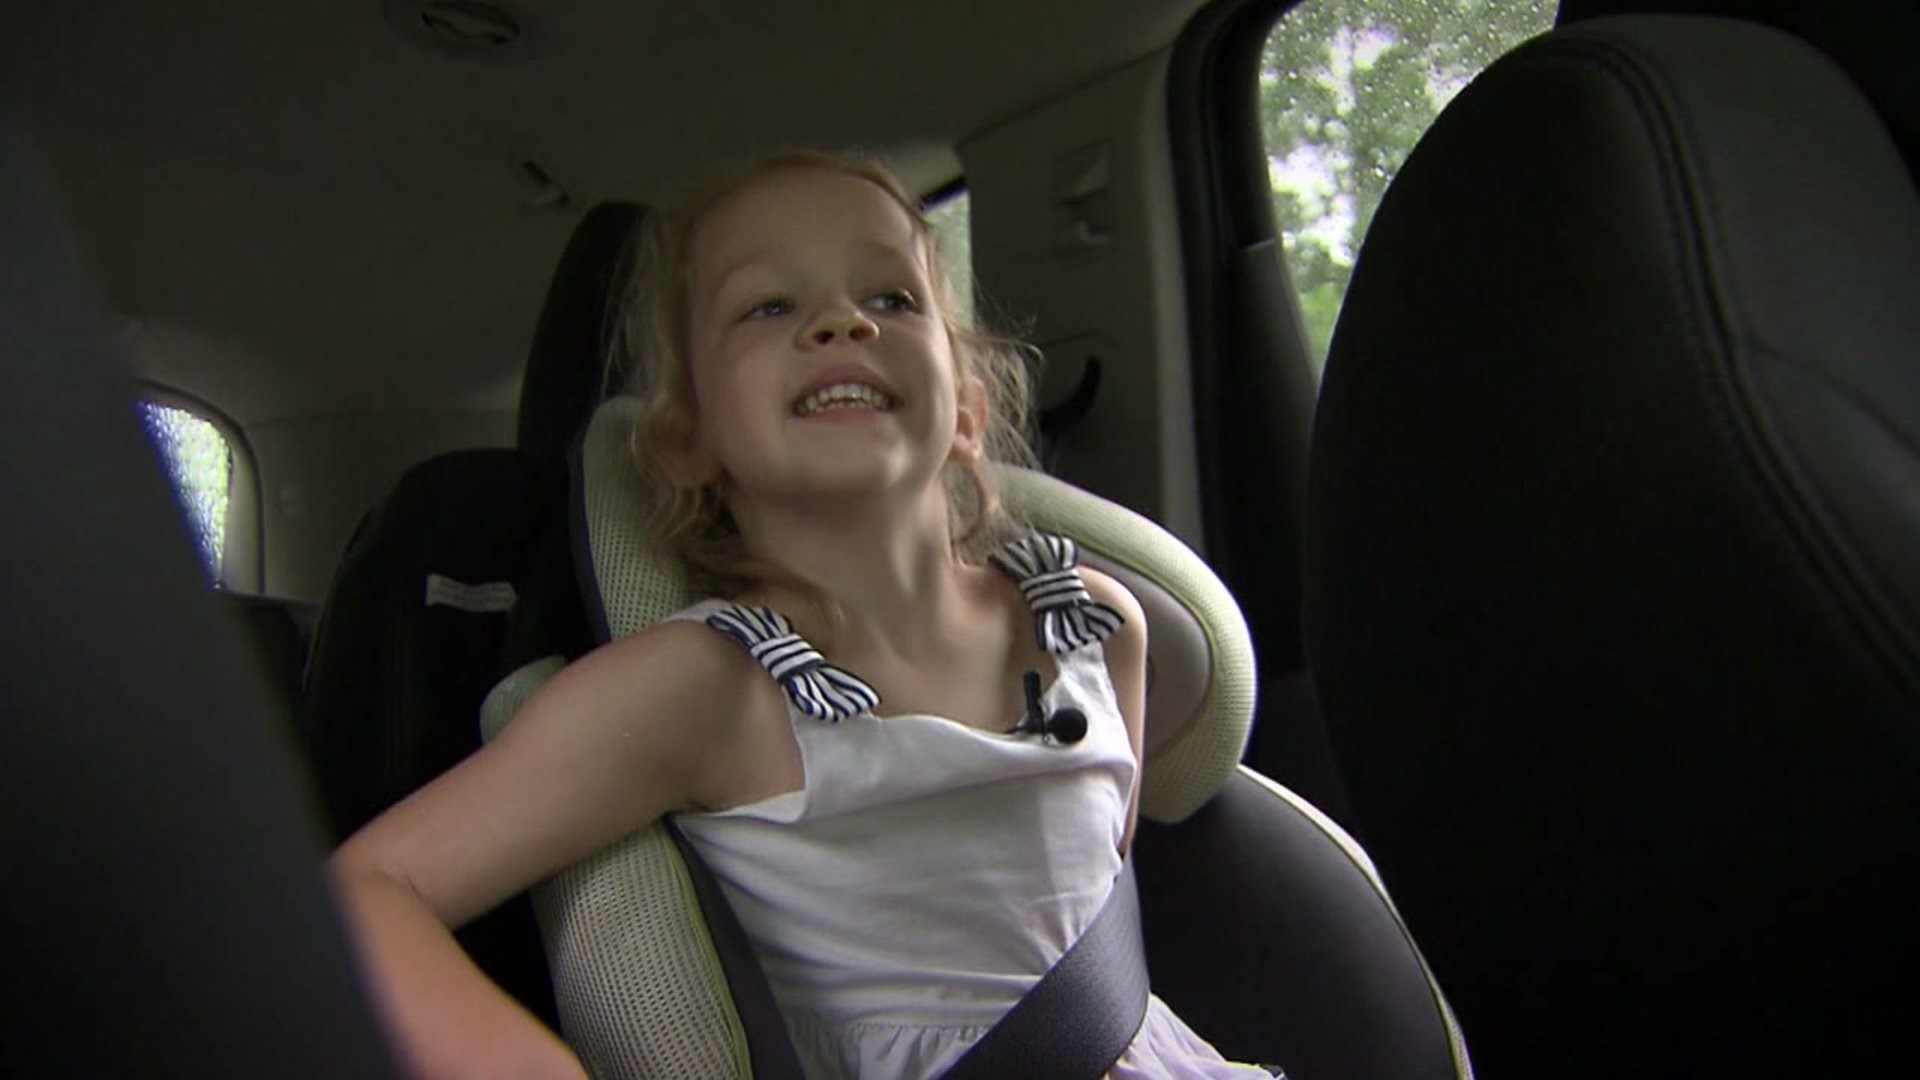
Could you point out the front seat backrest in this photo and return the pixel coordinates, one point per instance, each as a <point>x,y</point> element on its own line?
<point>425,611</point>
<point>166,907</point>
<point>410,636</point>
<point>1613,573</point>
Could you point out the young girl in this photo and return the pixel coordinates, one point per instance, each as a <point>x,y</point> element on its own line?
<point>833,730</point>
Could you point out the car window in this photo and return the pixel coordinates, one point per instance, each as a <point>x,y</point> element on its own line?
<point>200,463</point>
<point>1346,88</point>
<point>954,230</point>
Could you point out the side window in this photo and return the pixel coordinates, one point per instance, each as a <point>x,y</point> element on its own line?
<point>953,230</point>
<point>1346,88</point>
<point>201,465</point>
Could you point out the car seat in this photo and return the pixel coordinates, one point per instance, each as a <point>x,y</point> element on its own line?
<point>1612,592</point>
<point>166,907</point>
<point>278,629</point>
<point>1265,924</point>
<point>416,626</point>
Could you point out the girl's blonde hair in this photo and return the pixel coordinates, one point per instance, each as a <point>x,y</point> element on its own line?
<point>692,522</point>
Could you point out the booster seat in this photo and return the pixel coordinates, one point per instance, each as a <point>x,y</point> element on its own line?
<point>1266,926</point>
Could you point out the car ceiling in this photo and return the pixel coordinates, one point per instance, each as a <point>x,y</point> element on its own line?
<point>308,210</point>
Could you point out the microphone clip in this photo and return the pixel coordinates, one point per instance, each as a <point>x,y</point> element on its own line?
<point>1061,727</point>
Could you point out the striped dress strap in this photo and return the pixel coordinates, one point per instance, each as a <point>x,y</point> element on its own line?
<point>1066,616</point>
<point>816,687</point>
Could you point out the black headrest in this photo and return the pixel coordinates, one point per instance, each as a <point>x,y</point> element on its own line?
<point>1872,40</point>
<point>1612,591</point>
<point>567,363</point>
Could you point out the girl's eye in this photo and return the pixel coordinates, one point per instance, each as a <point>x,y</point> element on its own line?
<point>895,300</point>
<point>768,308</point>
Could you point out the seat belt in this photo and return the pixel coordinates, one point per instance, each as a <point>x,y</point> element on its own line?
<point>1083,1013</point>
<point>1074,1023</point>
<point>770,1053</point>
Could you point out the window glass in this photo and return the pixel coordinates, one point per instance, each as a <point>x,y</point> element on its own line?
<point>1346,88</point>
<point>953,231</point>
<point>201,466</point>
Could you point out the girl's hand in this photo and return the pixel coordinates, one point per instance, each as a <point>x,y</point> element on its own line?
<point>443,1019</point>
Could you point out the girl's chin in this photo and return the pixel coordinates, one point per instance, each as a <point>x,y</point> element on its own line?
<point>840,481</point>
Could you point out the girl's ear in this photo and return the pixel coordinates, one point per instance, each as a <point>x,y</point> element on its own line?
<point>970,419</point>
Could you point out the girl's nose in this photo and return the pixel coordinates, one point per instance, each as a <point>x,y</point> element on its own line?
<point>841,322</point>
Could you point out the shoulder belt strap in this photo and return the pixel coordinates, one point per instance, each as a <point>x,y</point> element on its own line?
<point>1083,1013</point>
<point>770,1052</point>
<point>1074,1023</point>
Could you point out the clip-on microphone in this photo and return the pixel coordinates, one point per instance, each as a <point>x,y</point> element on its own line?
<point>1063,726</point>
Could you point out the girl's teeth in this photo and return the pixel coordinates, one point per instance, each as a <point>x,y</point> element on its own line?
<point>842,396</point>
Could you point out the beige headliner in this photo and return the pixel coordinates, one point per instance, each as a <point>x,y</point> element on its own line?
<point>302,213</point>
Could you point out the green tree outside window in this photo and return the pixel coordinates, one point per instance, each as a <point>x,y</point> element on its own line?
<point>1346,88</point>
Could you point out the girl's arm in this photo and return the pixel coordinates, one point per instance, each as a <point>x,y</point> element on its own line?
<point>630,732</point>
<point>1126,650</point>
<point>443,1017</point>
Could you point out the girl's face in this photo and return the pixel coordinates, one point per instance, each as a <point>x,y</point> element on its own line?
<point>820,365</point>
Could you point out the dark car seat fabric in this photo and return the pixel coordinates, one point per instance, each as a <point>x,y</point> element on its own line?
<point>413,631</point>
<point>567,365</point>
<point>278,630</point>
<point>1871,40</point>
<point>1612,595</point>
<point>416,627</point>
<point>1268,930</point>
<point>167,914</point>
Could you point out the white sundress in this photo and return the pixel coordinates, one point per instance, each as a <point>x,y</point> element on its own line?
<point>927,873</point>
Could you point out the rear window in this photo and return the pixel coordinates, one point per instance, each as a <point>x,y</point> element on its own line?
<point>1346,88</point>
<point>200,464</point>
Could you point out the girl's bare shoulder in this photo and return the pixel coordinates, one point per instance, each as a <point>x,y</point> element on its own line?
<point>680,675</point>
<point>1108,590</point>
<point>710,712</point>
<point>685,656</point>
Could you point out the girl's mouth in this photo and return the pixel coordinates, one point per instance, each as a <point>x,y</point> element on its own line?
<point>843,395</point>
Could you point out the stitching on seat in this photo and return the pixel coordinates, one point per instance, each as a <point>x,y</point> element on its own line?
<point>1710,307</point>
